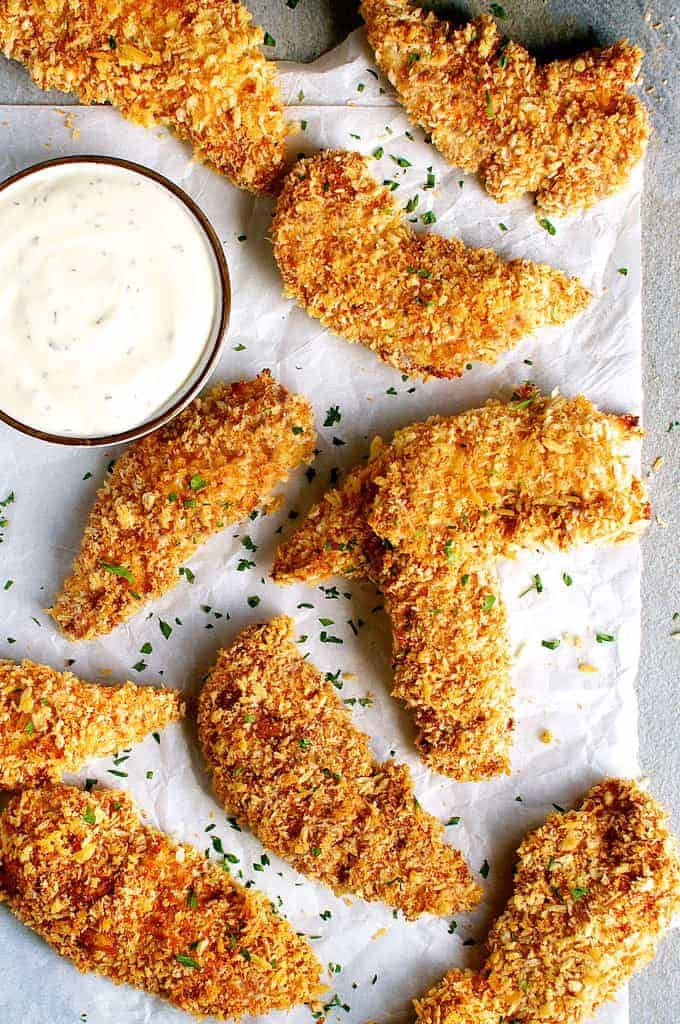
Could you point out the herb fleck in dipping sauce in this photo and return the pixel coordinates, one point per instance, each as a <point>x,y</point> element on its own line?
<point>108,298</point>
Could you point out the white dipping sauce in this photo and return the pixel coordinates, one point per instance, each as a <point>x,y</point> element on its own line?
<point>108,298</point>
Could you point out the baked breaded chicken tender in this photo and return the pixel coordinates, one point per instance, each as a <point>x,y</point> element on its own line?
<point>210,467</point>
<point>121,899</point>
<point>191,65</point>
<point>426,305</point>
<point>569,131</point>
<point>428,518</point>
<point>286,759</point>
<point>52,722</point>
<point>594,892</point>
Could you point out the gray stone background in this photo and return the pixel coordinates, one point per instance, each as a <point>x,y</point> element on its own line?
<point>554,28</point>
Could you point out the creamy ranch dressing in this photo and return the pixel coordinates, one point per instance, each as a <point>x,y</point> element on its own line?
<point>108,298</point>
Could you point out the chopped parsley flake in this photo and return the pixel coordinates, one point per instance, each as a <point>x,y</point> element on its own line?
<point>552,645</point>
<point>605,638</point>
<point>117,570</point>
<point>269,40</point>
<point>548,226</point>
<point>333,416</point>
<point>187,961</point>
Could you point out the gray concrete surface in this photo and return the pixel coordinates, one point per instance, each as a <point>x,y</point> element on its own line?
<point>556,27</point>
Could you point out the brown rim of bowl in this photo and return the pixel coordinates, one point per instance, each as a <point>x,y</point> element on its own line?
<point>134,433</point>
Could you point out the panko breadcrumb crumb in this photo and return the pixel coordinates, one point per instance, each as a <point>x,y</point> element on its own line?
<point>122,899</point>
<point>594,892</point>
<point>428,518</point>
<point>169,492</point>
<point>425,304</point>
<point>52,722</point>
<point>287,760</point>
<point>568,131</point>
<point>191,65</point>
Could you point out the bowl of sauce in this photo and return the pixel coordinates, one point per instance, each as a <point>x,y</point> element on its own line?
<point>114,300</point>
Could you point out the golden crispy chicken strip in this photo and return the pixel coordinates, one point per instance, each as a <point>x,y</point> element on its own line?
<point>427,519</point>
<point>52,722</point>
<point>425,304</point>
<point>208,468</point>
<point>594,892</point>
<point>451,660</point>
<point>122,899</point>
<point>286,759</point>
<point>192,65</point>
<point>568,131</point>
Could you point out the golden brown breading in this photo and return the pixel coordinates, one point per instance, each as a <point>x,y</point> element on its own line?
<point>169,492</point>
<point>426,304</point>
<point>191,65</point>
<point>285,758</point>
<point>427,519</point>
<point>594,892</point>
<point>568,131</point>
<point>462,705</point>
<point>122,899</point>
<point>52,722</point>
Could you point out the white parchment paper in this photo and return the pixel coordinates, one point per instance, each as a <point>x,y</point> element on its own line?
<point>384,962</point>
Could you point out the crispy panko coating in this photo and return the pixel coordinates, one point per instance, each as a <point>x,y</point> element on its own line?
<point>594,892</point>
<point>568,131</point>
<point>122,899</point>
<point>208,468</point>
<point>428,517</point>
<point>191,65</point>
<point>52,722</point>
<point>425,304</point>
<point>286,758</point>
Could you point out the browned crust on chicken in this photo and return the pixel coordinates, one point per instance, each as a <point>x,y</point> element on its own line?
<point>192,65</point>
<point>428,518</point>
<point>287,760</point>
<point>425,304</point>
<point>208,468</point>
<point>122,899</point>
<point>52,722</point>
<point>594,892</point>
<point>568,131</point>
